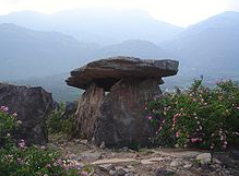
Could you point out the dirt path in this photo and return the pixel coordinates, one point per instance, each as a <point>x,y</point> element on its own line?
<point>150,162</point>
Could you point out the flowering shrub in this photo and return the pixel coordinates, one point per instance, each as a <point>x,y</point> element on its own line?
<point>8,122</point>
<point>199,117</point>
<point>18,159</point>
<point>34,161</point>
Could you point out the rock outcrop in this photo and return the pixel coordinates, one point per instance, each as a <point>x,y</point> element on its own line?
<point>116,89</point>
<point>32,105</point>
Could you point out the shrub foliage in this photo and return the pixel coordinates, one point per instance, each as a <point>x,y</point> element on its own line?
<point>18,159</point>
<point>58,123</point>
<point>198,117</point>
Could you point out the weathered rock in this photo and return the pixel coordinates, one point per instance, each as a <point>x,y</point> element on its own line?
<point>204,158</point>
<point>113,172</point>
<point>121,170</point>
<point>163,172</point>
<point>129,174</point>
<point>102,145</point>
<point>87,111</point>
<point>176,163</point>
<point>32,104</point>
<point>52,146</point>
<point>122,119</point>
<point>106,167</point>
<point>187,166</point>
<point>106,72</point>
<point>90,156</point>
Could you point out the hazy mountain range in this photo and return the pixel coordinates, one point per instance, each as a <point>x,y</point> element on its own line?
<point>102,26</point>
<point>211,44</point>
<point>34,45</point>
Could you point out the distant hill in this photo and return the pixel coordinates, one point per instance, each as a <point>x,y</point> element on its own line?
<point>102,26</point>
<point>37,58</point>
<point>210,46</point>
<point>136,48</point>
<point>26,53</point>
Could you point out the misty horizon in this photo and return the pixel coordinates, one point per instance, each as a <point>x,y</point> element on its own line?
<point>109,11</point>
<point>181,13</point>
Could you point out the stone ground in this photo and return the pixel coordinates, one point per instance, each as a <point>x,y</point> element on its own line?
<point>149,162</point>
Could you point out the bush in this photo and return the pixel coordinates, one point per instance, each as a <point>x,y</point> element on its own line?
<point>33,161</point>
<point>8,122</point>
<point>199,117</point>
<point>56,123</point>
<point>18,159</point>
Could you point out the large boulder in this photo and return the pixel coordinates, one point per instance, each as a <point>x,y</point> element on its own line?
<point>106,72</point>
<point>32,105</point>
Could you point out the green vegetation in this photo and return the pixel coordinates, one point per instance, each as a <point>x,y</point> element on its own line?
<point>198,117</point>
<point>18,159</point>
<point>58,124</point>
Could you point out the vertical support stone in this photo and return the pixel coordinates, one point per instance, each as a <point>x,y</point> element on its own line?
<point>122,119</point>
<point>87,110</point>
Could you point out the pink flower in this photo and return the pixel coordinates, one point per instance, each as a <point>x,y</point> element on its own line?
<point>178,134</point>
<point>224,144</point>
<point>176,115</point>
<point>4,108</point>
<point>22,144</point>
<point>79,166</point>
<point>14,114</point>
<point>160,128</point>
<point>84,173</point>
<point>193,140</point>
<point>59,161</point>
<point>149,117</point>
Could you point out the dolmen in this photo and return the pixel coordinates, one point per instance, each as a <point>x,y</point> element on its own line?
<point>112,108</point>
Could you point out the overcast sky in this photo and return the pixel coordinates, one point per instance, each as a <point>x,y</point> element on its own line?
<point>178,12</point>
